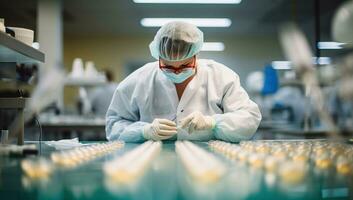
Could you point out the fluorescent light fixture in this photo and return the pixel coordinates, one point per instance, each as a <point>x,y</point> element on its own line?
<point>200,22</point>
<point>190,1</point>
<point>322,60</point>
<point>330,45</point>
<point>281,65</point>
<point>212,46</point>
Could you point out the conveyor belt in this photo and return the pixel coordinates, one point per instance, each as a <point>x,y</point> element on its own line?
<point>167,178</point>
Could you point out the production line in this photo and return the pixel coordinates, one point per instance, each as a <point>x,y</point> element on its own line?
<point>187,170</point>
<point>254,104</point>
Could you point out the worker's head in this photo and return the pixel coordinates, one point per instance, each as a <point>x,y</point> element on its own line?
<point>176,41</point>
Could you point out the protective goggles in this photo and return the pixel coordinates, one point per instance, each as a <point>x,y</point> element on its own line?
<point>177,70</point>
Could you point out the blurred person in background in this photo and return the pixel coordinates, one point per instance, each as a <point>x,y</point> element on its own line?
<point>101,96</point>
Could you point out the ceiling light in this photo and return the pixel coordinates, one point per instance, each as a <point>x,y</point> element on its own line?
<point>212,46</point>
<point>330,45</point>
<point>200,22</point>
<point>281,65</point>
<point>190,1</point>
<point>322,60</point>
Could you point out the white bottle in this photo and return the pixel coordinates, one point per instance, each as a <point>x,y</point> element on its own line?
<point>2,25</point>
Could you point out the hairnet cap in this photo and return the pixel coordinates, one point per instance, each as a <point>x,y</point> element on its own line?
<point>176,41</point>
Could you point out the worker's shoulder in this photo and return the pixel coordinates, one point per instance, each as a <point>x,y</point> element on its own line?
<point>141,72</point>
<point>138,76</point>
<point>217,69</point>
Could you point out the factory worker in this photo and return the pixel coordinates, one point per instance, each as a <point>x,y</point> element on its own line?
<point>180,97</point>
<point>101,96</point>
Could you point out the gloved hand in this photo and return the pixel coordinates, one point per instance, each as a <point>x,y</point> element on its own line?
<point>196,121</point>
<point>159,129</point>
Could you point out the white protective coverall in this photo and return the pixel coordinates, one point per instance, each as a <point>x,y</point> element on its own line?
<point>215,91</point>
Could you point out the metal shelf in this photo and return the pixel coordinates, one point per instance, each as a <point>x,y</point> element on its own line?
<point>84,82</point>
<point>18,104</point>
<point>12,102</point>
<point>12,50</point>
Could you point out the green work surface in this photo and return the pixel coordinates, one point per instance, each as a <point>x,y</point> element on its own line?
<point>166,178</point>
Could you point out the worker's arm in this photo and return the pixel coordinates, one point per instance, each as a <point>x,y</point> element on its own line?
<point>122,120</point>
<point>241,115</point>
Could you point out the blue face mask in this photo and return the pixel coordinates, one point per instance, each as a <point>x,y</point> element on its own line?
<point>181,77</point>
